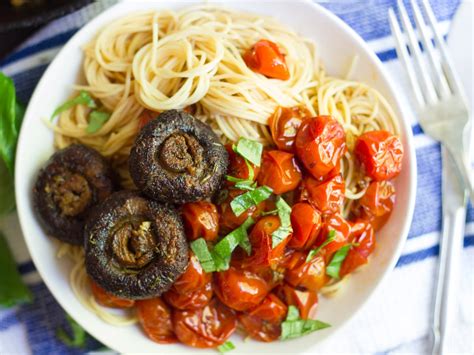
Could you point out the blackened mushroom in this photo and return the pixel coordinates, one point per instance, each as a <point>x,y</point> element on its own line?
<point>177,158</point>
<point>135,248</point>
<point>67,187</point>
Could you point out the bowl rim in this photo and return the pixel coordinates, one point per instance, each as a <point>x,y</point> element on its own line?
<point>409,158</point>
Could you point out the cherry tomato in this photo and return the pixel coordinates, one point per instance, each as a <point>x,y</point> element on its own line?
<point>290,259</point>
<point>228,221</point>
<point>145,117</point>
<point>342,230</point>
<point>260,329</point>
<point>265,58</point>
<point>108,300</point>
<point>284,124</point>
<point>363,235</point>
<point>194,278</point>
<point>207,327</point>
<point>306,301</point>
<point>381,154</point>
<point>200,220</point>
<point>306,223</point>
<point>238,168</point>
<point>240,289</point>
<point>155,317</point>
<point>326,196</point>
<point>320,143</point>
<point>190,300</point>
<point>311,275</point>
<point>272,309</point>
<point>279,171</point>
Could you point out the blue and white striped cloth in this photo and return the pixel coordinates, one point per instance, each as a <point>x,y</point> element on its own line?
<point>397,319</point>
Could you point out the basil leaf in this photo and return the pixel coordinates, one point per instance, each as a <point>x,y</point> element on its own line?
<point>284,211</point>
<point>227,346</point>
<point>242,184</point>
<point>200,249</point>
<point>12,289</point>
<point>335,265</point>
<point>7,190</point>
<point>97,120</point>
<point>250,150</point>
<point>331,236</point>
<point>294,327</point>
<point>243,202</point>
<point>79,335</point>
<point>84,98</point>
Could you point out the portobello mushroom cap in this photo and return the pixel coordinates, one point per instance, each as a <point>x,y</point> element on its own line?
<point>176,158</point>
<point>135,248</point>
<point>67,187</point>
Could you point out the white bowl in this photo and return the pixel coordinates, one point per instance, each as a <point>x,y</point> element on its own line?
<point>337,45</point>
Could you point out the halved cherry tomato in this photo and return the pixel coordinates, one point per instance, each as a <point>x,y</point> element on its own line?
<point>265,58</point>
<point>306,223</point>
<point>190,300</point>
<point>193,279</point>
<point>260,329</point>
<point>279,171</point>
<point>381,154</point>
<point>228,221</point>
<point>200,220</point>
<point>363,235</point>
<point>272,309</point>
<point>238,168</point>
<point>326,196</point>
<point>310,275</point>
<point>240,289</point>
<point>306,301</point>
<point>145,117</point>
<point>155,317</point>
<point>320,143</point>
<point>342,230</point>
<point>207,327</point>
<point>377,203</point>
<point>290,259</point>
<point>284,124</point>
<point>108,300</point>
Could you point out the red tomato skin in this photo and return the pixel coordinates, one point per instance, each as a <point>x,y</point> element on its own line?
<point>145,117</point>
<point>363,234</point>
<point>279,171</point>
<point>306,223</point>
<point>207,327</point>
<point>380,153</point>
<point>284,124</point>
<point>155,318</point>
<point>108,300</point>
<point>265,58</point>
<point>238,168</point>
<point>200,219</point>
<point>240,289</point>
<point>260,329</point>
<point>192,300</point>
<point>228,221</point>
<point>342,229</point>
<point>306,301</point>
<point>320,143</point>
<point>271,309</point>
<point>327,196</point>
<point>194,277</point>
<point>310,275</point>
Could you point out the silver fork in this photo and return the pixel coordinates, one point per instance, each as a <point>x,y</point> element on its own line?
<point>442,110</point>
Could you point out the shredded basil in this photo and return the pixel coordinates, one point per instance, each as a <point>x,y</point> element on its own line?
<point>243,202</point>
<point>331,236</point>
<point>250,150</point>
<point>285,229</point>
<point>227,346</point>
<point>97,120</point>
<point>338,258</point>
<point>79,335</point>
<point>200,249</point>
<point>242,184</point>
<point>294,326</point>
<point>84,98</point>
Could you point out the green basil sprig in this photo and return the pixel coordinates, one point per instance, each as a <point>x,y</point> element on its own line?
<point>295,327</point>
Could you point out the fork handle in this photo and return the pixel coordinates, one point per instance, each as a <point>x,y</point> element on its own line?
<point>464,169</point>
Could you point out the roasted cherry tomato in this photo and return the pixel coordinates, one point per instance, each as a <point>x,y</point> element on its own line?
<point>207,327</point>
<point>265,58</point>
<point>200,220</point>
<point>260,329</point>
<point>145,117</point>
<point>377,203</point>
<point>326,196</point>
<point>279,171</point>
<point>320,143</point>
<point>381,154</point>
<point>306,301</point>
<point>240,289</point>
<point>362,234</point>
<point>310,275</point>
<point>228,221</point>
<point>306,223</point>
<point>155,317</point>
<point>272,309</point>
<point>190,300</point>
<point>108,300</point>
<point>194,278</point>
<point>342,231</point>
<point>238,168</point>
<point>284,124</point>
<point>290,259</point>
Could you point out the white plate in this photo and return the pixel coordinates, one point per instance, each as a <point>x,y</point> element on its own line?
<point>337,45</point>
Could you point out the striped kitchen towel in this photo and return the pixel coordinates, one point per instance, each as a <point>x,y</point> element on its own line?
<point>397,318</point>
